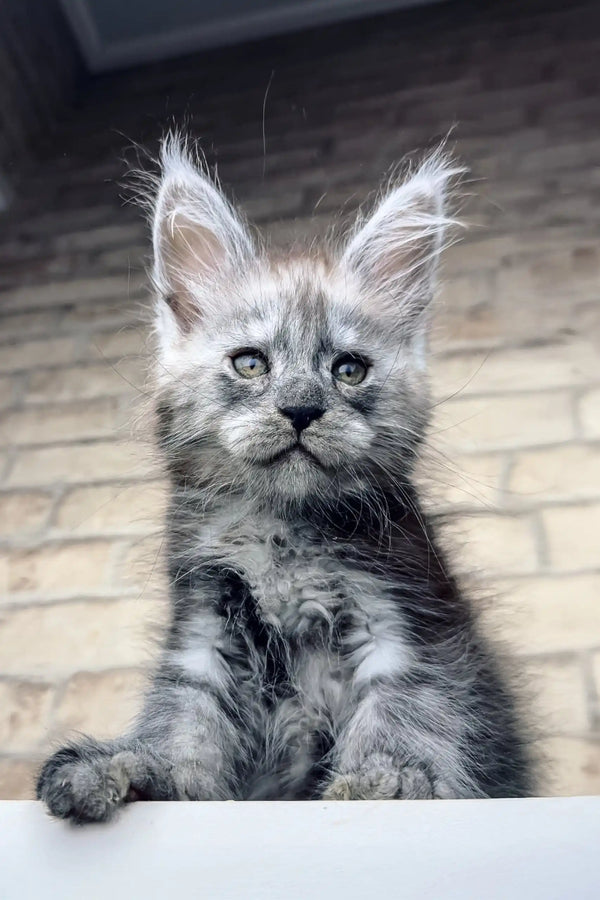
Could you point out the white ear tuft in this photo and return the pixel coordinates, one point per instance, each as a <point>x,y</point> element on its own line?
<point>395,251</point>
<point>197,235</point>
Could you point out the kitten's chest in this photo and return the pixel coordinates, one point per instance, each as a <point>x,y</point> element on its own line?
<point>294,578</point>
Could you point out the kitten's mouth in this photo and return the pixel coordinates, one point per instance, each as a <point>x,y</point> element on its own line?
<point>290,452</point>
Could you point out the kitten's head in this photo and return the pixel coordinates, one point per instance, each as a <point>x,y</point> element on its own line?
<point>292,378</point>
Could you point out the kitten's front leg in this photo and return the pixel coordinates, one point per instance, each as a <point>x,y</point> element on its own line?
<point>185,746</point>
<point>400,740</point>
<point>377,757</point>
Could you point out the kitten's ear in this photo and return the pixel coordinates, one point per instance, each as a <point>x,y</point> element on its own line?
<point>197,235</point>
<point>395,251</point>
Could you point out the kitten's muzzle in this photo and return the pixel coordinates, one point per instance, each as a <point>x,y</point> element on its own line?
<point>301,416</point>
<point>296,448</point>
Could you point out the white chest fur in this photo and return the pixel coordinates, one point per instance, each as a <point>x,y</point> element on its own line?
<point>293,578</point>
<point>299,583</point>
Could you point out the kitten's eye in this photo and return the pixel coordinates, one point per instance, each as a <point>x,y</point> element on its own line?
<point>349,369</point>
<point>250,364</point>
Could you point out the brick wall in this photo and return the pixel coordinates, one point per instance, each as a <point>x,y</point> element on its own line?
<point>516,445</point>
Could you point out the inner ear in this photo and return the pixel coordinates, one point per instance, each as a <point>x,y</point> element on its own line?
<point>189,256</point>
<point>395,250</point>
<point>198,237</point>
<point>183,309</point>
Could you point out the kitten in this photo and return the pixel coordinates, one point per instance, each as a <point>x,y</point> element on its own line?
<point>319,646</point>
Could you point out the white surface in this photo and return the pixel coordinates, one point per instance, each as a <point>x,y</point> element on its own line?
<point>209,31</point>
<point>444,850</point>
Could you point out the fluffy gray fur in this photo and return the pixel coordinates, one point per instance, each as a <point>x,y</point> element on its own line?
<point>318,645</point>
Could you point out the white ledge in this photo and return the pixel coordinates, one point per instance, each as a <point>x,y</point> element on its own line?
<point>479,849</point>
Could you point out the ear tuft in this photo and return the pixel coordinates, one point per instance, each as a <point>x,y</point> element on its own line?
<point>197,235</point>
<point>395,250</point>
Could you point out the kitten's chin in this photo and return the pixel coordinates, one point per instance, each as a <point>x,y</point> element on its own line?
<point>291,477</point>
<point>293,458</point>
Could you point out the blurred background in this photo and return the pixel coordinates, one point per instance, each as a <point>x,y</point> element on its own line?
<point>304,105</point>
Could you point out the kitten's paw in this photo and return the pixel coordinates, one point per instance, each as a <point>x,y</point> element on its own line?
<point>88,783</point>
<point>378,785</point>
<point>408,783</point>
<point>415,784</point>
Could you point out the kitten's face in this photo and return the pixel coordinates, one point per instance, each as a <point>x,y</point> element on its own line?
<point>298,378</point>
<point>294,390</point>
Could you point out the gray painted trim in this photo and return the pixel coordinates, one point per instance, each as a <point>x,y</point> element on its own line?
<point>82,23</point>
<point>247,26</point>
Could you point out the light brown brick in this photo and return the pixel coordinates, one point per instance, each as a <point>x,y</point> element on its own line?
<point>7,392</point>
<point>473,313</point>
<point>143,567</point>
<point>518,320</point>
<point>102,461</point>
<point>589,411</point>
<point>573,766</point>
<point>573,536</point>
<point>123,259</point>
<point>595,700</point>
<point>37,354</point>
<point>59,570</point>
<point>113,509</point>
<point>493,423</point>
<point>559,473</point>
<point>24,715</point>
<point>548,615</point>
<point>58,640</point>
<point>566,154</point>
<point>559,696</point>
<point>23,513</point>
<point>102,704</point>
<point>472,255</point>
<point>527,369</point>
<point>63,422</point>
<point>104,315</point>
<point>462,481</point>
<point>97,238</point>
<point>127,376</point>
<point>123,343</point>
<point>3,575</point>
<point>76,290</point>
<point>31,324</point>
<point>497,544</point>
<point>17,778</point>
<point>545,277</point>
<point>466,314</point>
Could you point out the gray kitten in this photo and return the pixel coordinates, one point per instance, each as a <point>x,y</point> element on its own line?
<point>319,646</point>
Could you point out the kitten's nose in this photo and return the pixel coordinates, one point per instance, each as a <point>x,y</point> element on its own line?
<point>301,416</point>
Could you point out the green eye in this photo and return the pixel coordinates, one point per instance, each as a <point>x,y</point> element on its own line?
<point>250,364</point>
<point>349,369</point>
